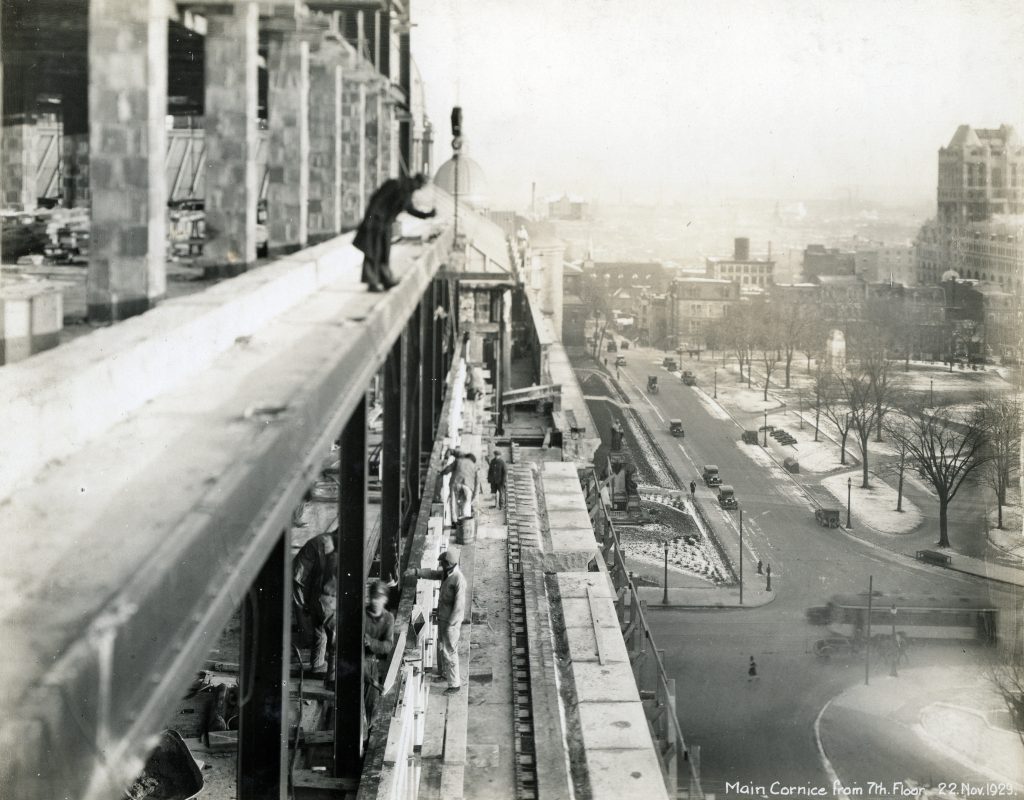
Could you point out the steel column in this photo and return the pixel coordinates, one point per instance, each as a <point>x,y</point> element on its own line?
<point>348,718</point>
<point>391,465</point>
<point>440,301</point>
<point>411,439</point>
<point>263,679</point>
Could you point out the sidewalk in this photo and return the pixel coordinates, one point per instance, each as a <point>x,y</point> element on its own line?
<point>938,724</point>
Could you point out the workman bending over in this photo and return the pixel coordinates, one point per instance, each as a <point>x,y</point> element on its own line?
<point>314,599</point>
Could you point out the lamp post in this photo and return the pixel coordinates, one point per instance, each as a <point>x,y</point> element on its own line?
<point>800,401</point>
<point>895,650</point>
<point>766,427</point>
<point>849,494</point>
<point>931,393</point>
<point>664,597</point>
<point>716,383</point>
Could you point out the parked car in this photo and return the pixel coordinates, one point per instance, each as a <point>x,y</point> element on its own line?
<point>710,475</point>
<point>749,437</point>
<point>624,345</point>
<point>620,361</point>
<point>689,378</point>
<point>675,427</point>
<point>612,347</point>
<point>727,497</point>
<point>835,646</point>
<point>827,517</point>
<point>670,364</point>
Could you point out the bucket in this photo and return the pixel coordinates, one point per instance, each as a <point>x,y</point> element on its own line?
<point>467,530</point>
<point>170,772</point>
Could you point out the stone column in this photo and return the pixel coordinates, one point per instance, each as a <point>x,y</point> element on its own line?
<point>353,160</point>
<point>325,86</point>
<point>127,148</point>
<point>232,191</point>
<point>288,152</point>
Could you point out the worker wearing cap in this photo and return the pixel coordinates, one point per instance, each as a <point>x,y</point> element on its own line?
<point>496,474</point>
<point>451,608</point>
<point>378,642</point>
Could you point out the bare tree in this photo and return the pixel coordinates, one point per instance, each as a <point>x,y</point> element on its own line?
<point>945,447</point>
<point>832,400</point>
<point>855,388</point>
<point>1001,417</point>
<point>901,465</point>
<point>792,323</point>
<point>766,327</point>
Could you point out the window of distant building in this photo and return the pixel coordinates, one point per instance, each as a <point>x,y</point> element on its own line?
<point>997,177</point>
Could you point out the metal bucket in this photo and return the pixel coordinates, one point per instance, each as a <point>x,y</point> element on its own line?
<point>171,773</point>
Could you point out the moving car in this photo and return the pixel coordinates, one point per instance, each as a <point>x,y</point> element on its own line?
<point>652,384</point>
<point>675,427</point>
<point>620,361</point>
<point>727,497</point>
<point>710,475</point>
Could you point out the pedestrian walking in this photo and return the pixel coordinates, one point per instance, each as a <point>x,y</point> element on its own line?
<point>451,609</point>
<point>768,572</point>
<point>760,567</point>
<point>752,670</point>
<point>374,235</point>
<point>496,474</point>
<point>693,489</point>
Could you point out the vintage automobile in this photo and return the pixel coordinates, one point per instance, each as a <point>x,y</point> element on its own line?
<point>624,344</point>
<point>710,475</point>
<point>612,347</point>
<point>836,646</point>
<point>727,496</point>
<point>827,517</point>
<point>620,361</point>
<point>675,427</point>
<point>749,437</point>
<point>652,384</point>
<point>689,379</point>
<point>670,364</point>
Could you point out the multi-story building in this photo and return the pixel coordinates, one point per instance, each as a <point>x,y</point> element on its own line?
<point>979,225</point>
<point>741,268</point>
<point>890,263</point>
<point>695,303</point>
<point>821,260</point>
<point>981,173</point>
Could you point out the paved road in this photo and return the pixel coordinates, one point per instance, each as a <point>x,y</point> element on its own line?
<point>762,731</point>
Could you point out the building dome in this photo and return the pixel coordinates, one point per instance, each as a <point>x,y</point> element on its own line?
<point>472,181</point>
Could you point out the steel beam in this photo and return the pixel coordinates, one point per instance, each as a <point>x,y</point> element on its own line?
<point>263,680</point>
<point>426,416</point>
<point>391,465</point>
<point>348,717</point>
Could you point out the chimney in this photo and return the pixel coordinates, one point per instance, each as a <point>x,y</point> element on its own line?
<point>741,249</point>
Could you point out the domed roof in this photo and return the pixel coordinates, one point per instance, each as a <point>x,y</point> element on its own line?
<point>472,181</point>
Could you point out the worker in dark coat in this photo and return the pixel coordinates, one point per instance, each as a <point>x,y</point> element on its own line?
<point>496,478</point>
<point>314,598</point>
<point>374,235</point>
<point>378,642</point>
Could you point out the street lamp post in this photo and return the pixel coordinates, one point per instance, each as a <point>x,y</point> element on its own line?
<point>664,597</point>
<point>741,556</point>
<point>895,649</point>
<point>931,393</point>
<point>766,427</point>
<point>716,383</point>
<point>849,494</point>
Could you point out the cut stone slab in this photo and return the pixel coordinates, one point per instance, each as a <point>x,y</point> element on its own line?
<point>614,726</point>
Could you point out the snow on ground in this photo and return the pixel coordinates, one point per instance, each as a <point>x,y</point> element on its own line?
<point>972,740</point>
<point>689,555</point>
<point>820,456</point>
<point>1010,537</point>
<point>710,405</point>
<point>874,507</point>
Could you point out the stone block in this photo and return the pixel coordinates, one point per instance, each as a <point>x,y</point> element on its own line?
<point>619,726</point>
<point>576,613</point>
<point>577,586</point>
<point>604,683</point>
<point>583,645</point>
<point>617,774</point>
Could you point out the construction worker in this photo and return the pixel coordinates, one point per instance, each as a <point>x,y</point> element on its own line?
<point>451,608</point>
<point>378,642</point>
<point>314,598</point>
<point>496,473</point>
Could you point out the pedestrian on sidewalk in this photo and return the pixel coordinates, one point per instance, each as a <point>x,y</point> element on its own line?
<point>752,671</point>
<point>451,609</point>
<point>374,234</point>
<point>760,567</point>
<point>768,572</point>
<point>496,474</point>
<point>693,489</point>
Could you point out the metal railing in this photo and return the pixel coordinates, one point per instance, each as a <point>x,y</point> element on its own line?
<point>657,689</point>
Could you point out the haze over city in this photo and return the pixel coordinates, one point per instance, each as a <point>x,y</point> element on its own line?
<point>693,101</point>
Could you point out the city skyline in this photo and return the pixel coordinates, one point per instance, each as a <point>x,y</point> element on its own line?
<point>702,101</point>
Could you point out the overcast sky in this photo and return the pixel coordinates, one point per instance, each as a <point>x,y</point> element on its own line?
<point>702,99</point>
